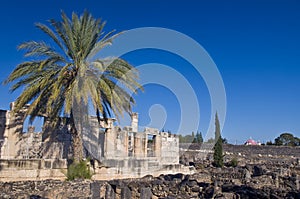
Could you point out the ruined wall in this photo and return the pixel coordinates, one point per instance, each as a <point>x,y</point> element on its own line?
<point>2,123</point>
<point>164,186</point>
<point>126,152</point>
<point>2,128</point>
<point>32,169</point>
<point>169,149</point>
<point>12,132</point>
<point>30,145</point>
<point>56,140</point>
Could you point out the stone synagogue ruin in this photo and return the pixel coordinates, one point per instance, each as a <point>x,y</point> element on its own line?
<point>116,152</point>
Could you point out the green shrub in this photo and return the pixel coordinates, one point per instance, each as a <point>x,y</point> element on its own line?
<point>79,170</point>
<point>234,162</point>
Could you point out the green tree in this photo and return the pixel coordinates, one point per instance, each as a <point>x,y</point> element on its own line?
<point>193,137</point>
<point>181,138</point>
<point>57,79</point>
<point>224,140</point>
<point>186,138</point>
<point>297,141</point>
<point>199,138</point>
<point>287,139</point>
<point>218,148</point>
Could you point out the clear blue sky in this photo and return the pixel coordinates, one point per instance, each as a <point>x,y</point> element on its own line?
<point>255,45</point>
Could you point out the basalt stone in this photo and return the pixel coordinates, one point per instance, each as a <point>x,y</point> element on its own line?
<point>176,181</point>
<point>36,197</point>
<point>209,192</point>
<point>195,189</point>
<point>125,193</point>
<point>117,183</point>
<point>157,182</point>
<point>147,178</point>
<point>274,196</point>
<point>178,176</point>
<point>192,183</point>
<point>95,190</point>
<point>171,196</point>
<point>158,192</point>
<point>7,187</point>
<point>227,187</point>
<point>133,185</point>
<point>146,193</point>
<point>258,171</point>
<point>167,177</point>
<point>173,190</point>
<point>166,182</point>
<point>109,193</point>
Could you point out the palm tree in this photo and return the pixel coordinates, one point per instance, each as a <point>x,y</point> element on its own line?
<point>56,80</point>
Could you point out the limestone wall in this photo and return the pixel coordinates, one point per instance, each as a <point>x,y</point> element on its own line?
<point>32,169</point>
<point>2,123</point>
<point>125,151</point>
<point>169,149</point>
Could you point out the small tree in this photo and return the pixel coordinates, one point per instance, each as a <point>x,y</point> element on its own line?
<point>269,143</point>
<point>218,148</point>
<point>199,138</point>
<point>193,137</point>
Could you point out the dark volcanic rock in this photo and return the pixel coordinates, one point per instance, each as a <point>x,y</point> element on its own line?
<point>109,193</point>
<point>258,171</point>
<point>146,193</point>
<point>95,190</point>
<point>125,193</point>
<point>262,172</point>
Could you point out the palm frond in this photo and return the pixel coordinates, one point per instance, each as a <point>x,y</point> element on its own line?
<point>55,79</point>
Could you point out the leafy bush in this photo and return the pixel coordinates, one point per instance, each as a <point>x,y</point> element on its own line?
<point>269,143</point>
<point>234,162</point>
<point>79,170</point>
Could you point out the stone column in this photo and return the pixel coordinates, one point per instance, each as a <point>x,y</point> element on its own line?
<point>134,122</point>
<point>125,143</point>
<point>157,146</point>
<point>137,145</point>
<point>110,138</point>
<point>14,127</point>
<point>130,144</point>
<point>145,143</point>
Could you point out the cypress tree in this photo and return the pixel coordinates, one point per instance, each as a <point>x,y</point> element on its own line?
<point>218,148</point>
<point>200,138</point>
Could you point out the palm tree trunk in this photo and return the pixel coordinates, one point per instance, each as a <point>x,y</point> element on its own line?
<point>77,146</point>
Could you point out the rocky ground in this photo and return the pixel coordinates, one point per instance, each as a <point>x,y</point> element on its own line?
<point>262,172</point>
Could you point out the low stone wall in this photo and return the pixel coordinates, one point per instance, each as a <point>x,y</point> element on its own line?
<point>246,150</point>
<point>105,173</point>
<point>32,169</point>
<point>45,189</point>
<point>199,185</point>
<point>263,150</point>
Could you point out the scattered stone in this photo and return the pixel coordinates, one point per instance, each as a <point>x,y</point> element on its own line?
<point>257,171</point>
<point>146,193</point>
<point>125,193</point>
